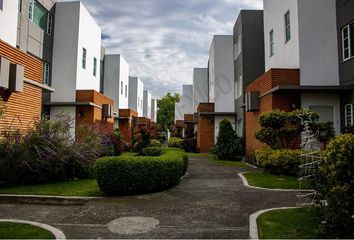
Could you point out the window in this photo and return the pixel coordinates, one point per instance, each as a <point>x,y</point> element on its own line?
<point>38,14</point>
<point>238,88</point>
<point>138,101</point>
<point>141,104</point>
<point>94,66</point>
<point>239,128</point>
<point>271,42</point>
<point>349,115</point>
<point>348,41</point>
<point>121,88</point>
<point>19,5</point>
<point>126,91</point>
<point>46,73</point>
<point>50,24</point>
<point>238,46</point>
<point>287,27</point>
<point>30,9</point>
<point>84,53</point>
<point>1,5</point>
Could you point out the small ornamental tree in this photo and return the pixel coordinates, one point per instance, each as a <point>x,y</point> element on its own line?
<point>275,130</point>
<point>229,146</point>
<point>335,183</point>
<point>279,128</point>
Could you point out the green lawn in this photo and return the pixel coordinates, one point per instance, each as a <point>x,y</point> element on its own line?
<point>22,231</point>
<point>267,180</point>
<point>198,155</point>
<point>87,188</point>
<point>297,223</point>
<point>229,163</point>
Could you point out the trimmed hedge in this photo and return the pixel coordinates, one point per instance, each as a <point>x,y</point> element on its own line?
<point>129,175</point>
<point>279,161</point>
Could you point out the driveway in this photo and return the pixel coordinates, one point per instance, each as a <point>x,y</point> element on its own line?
<point>210,202</point>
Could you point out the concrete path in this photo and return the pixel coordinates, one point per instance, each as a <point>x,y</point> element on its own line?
<point>211,202</point>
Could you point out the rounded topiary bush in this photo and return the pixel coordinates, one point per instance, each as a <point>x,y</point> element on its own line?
<point>155,143</point>
<point>175,142</point>
<point>152,151</point>
<point>128,175</point>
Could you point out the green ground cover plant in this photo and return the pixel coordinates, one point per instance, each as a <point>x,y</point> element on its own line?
<point>80,188</point>
<point>267,180</point>
<point>298,223</point>
<point>23,231</point>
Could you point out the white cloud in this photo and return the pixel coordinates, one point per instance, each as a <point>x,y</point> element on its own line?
<point>163,40</point>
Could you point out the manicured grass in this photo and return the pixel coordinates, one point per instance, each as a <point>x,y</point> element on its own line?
<point>239,164</point>
<point>297,223</point>
<point>266,180</point>
<point>87,188</point>
<point>199,155</point>
<point>22,231</point>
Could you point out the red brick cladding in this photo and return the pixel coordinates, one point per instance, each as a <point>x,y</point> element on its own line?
<point>205,132</point>
<point>93,115</point>
<point>126,124</point>
<point>22,108</point>
<point>271,101</point>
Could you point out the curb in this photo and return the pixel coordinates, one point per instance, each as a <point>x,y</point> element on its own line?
<point>47,200</point>
<point>56,232</point>
<point>253,220</point>
<point>246,184</point>
<point>248,164</point>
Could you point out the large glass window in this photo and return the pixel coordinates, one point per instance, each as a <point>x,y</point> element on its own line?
<point>287,27</point>
<point>348,41</point>
<point>121,88</point>
<point>46,73</point>
<point>349,115</point>
<point>40,16</point>
<point>271,43</point>
<point>1,5</point>
<point>84,54</point>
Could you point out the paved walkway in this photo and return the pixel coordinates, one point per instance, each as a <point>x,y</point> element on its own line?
<point>211,202</point>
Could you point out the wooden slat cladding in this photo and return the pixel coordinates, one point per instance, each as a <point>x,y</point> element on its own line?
<point>33,67</point>
<point>22,108</point>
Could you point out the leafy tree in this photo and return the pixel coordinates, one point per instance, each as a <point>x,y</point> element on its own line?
<point>229,146</point>
<point>166,112</point>
<point>335,185</point>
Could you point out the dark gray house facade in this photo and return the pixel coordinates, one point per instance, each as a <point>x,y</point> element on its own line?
<point>248,58</point>
<point>35,34</point>
<point>345,21</point>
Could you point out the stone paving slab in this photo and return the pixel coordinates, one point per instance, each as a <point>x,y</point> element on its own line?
<point>210,202</point>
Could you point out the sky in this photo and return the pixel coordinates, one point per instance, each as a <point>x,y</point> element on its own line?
<point>163,40</point>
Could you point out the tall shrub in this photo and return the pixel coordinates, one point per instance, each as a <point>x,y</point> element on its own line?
<point>229,146</point>
<point>336,186</point>
<point>46,153</point>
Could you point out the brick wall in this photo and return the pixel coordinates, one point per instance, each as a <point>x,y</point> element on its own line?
<point>93,115</point>
<point>205,132</point>
<point>22,108</point>
<point>271,101</point>
<point>126,124</point>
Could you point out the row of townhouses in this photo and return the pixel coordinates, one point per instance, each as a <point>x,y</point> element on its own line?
<point>292,54</point>
<point>52,63</point>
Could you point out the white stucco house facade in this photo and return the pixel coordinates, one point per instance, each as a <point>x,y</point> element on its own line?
<point>136,95</point>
